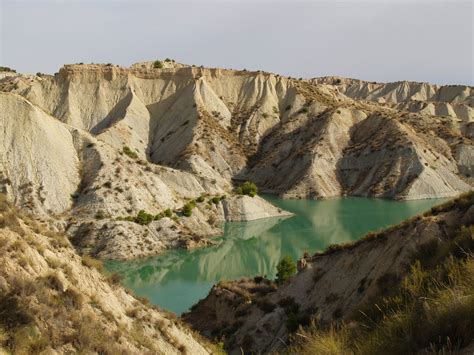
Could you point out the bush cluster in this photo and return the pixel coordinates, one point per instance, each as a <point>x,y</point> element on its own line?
<point>247,188</point>
<point>144,218</point>
<point>7,69</point>
<point>158,64</point>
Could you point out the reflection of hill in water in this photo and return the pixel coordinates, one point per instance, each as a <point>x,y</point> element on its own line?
<point>255,248</point>
<point>239,253</point>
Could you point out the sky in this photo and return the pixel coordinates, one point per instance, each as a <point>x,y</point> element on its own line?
<point>384,40</point>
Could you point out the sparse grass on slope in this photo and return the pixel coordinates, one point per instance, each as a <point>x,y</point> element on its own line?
<point>54,301</point>
<point>432,311</point>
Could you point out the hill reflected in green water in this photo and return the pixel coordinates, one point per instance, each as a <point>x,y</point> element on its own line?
<point>176,280</point>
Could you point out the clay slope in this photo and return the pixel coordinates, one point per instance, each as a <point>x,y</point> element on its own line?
<point>257,315</point>
<point>39,167</point>
<point>54,301</point>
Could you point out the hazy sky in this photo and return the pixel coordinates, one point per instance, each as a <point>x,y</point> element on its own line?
<point>373,40</point>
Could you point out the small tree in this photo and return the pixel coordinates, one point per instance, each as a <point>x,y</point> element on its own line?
<point>158,64</point>
<point>286,268</point>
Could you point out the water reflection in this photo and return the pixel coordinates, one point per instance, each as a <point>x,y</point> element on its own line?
<point>178,279</point>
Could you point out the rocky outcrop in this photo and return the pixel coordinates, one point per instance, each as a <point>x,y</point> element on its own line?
<point>245,208</point>
<point>257,315</point>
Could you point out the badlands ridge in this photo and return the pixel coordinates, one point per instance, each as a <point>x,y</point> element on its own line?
<point>95,144</point>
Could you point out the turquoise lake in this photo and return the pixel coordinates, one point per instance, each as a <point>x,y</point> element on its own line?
<point>177,279</point>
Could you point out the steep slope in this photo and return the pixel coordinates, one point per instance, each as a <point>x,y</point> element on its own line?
<point>39,167</point>
<point>54,301</point>
<point>258,315</point>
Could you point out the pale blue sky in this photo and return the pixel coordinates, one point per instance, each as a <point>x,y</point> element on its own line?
<point>372,40</point>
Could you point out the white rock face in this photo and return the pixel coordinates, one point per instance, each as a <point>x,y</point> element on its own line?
<point>39,162</point>
<point>246,208</point>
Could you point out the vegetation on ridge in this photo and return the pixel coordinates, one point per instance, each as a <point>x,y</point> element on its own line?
<point>129,152</point>
<point>7,69</point>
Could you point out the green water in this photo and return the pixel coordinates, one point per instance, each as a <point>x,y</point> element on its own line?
<point>177,279</point>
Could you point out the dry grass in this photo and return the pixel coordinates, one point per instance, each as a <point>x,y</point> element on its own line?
<point>433,309</point>
<point>93,263</point>
<point>49,309</point>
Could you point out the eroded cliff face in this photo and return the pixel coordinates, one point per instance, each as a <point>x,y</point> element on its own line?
<point>97,142</point>
<point>455,101</point>
<point>257,315</point>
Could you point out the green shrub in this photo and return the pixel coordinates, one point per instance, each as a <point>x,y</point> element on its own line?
<point>7,69</point>
<point>216,199</point>
<point>100,215</point>
<point>200,199</point>
<point>188,209</point>
<point>144,218</point>
<point>247,188</point>
<point>130,152</point>
<point>158,64</point>
<point>286,268</point>
<point>168,213</point>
